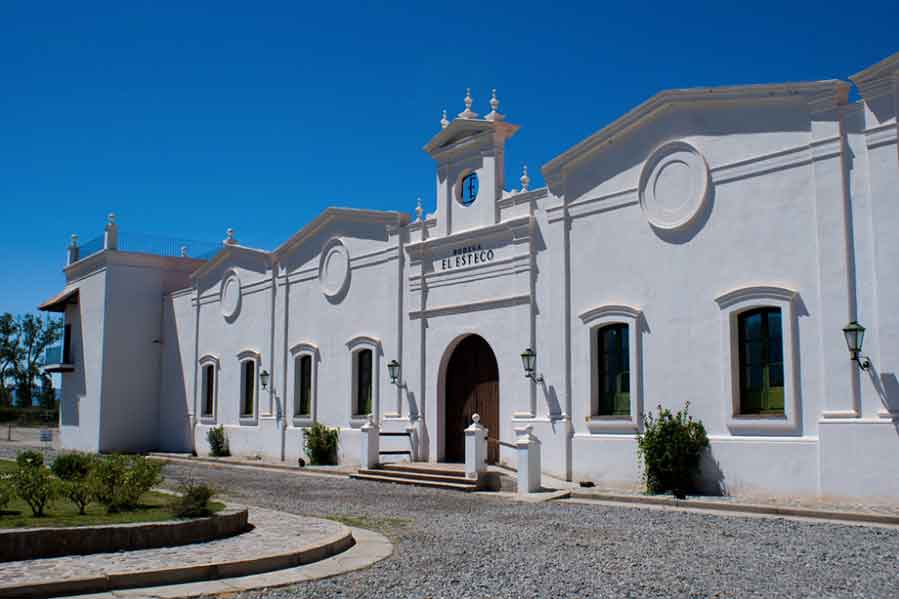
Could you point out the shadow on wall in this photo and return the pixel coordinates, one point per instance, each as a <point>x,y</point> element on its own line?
<point>887,387</point>
<point>711,480</point>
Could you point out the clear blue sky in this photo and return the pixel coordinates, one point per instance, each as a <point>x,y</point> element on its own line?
<point>186,118</point>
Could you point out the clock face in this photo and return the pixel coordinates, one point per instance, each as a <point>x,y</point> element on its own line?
<point>469,189</point>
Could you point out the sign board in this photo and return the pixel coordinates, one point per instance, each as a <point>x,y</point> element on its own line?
<point>46,435</point>
<point>467,256</point>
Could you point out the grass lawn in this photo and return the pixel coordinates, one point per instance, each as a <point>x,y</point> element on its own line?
<point>63,512</point>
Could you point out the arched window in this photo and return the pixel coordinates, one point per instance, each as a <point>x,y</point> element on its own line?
<point>363,382</point>
<point>613,370</point>
<point>302,401</point>
<point>247,388</point>
<point>761,361</point>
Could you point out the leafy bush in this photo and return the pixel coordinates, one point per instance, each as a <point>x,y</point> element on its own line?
<point>78,491</point>
<point>218,442</point>
<point>671,447</point>
<point>73,466</point>
<point>29,457</point>
<point>118,481</point>
<point>34,485</point>
<point>193,502</point>
<point>320,443</point>
<point>6,491</point>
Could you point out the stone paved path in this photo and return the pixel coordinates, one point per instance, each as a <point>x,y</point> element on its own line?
<point>275,533</point>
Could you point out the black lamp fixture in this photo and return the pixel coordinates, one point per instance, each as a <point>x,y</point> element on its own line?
<point>855,337</point>
<point>529,362</point>
<point>393,368</point>
<point>263,377</point>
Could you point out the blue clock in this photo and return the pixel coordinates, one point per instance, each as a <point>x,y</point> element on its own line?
<point>469,189</point>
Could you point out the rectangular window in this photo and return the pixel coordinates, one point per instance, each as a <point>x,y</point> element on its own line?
<point>248,393</point>
<point>208,389</point>
<point>363,382</point>
<point>761,362</point>
<point>613,371</point>
<point>303,386</point>
<point>67,344</point>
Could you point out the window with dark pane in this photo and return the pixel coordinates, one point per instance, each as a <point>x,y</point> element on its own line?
<point>208,389</point>
<point>613,370</point>
<point>303,386</point>
<point>249,388</point>
<point>67,344</point>
<point>363,381</point>
<point>761,362</point>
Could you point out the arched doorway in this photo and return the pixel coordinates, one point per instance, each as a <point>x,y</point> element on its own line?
<point>472,387</point>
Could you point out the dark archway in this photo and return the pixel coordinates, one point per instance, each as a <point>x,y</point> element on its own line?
<point>472,387</point>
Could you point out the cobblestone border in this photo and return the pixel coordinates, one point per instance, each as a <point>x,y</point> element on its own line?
<point>179,575</point>
<point>35,543</point>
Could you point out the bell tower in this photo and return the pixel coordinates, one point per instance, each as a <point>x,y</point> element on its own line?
<point>470,167</point>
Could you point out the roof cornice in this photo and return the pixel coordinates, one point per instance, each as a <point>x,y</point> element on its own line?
<point>876,80</point>
<point>386,217</point>
<point>830,91</point>
<point>227,250</point>
<point>462,133</point>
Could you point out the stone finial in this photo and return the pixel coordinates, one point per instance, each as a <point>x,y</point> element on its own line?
<point>229,240</point>
<point>467,113</point>
<point>444,122</point>
<point>184,251</point>
<point>418,209</point>
<point>110,219</point>
<point>494,104</point>
<point>73,241</point>
<point>476,418</point>
<point>111,233</point>
<point>525,180</point>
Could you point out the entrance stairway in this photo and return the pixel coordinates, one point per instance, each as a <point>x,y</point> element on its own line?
<point>422,474</point>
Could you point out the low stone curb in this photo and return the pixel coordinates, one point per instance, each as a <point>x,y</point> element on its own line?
<point>185,574</point>
<point>306,470</point>
<point>745,508</point>
<point>36,543</point>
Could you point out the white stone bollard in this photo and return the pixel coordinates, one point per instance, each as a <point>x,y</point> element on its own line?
<point>475,449</point>
<point>528,449</point>
<point>370,444</point>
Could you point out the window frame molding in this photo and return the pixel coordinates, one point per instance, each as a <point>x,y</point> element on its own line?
<point>303,348</point>
<point>204,361</point>
<point>593,320</point>
<point>732,304</point>
<point>256,357</point>
<point>355,345</point>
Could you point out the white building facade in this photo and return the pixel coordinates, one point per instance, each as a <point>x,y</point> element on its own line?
<point>707,247</point>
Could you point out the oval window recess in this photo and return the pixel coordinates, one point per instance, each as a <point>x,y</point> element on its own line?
<point>468,189</point>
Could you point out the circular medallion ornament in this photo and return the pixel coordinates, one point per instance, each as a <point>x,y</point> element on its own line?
<point>674,186</point>
<point>230,296</point>
<point>334,269</point>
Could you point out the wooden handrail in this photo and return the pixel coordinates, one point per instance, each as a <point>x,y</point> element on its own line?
<point>501,443</point>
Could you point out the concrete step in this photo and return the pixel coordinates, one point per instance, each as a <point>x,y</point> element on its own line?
<point>421,468</point>
<point>402,473</point>
<point>456,486</point>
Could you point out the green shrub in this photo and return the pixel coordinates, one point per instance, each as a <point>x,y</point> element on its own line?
<point>218,442</point>
<point>193,502</point>
<point>320,443</point>
<point>118,481</point>
<point>6,491</point>
<point>78,491</point>
<point>29,457</point>
<point>671,446</point>
<point>35,486</point>
<point>73,466</point>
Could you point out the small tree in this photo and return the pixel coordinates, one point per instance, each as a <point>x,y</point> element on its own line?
<point>671,446</point>
<point>74,469</point>
<point>218,442</point>
<point>33,335</point>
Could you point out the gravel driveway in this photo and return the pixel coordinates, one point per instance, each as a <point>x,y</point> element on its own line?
<point>454,545</point>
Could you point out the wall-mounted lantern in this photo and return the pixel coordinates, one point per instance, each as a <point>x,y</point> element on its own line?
<point>263,377</point>
<point>393,368</point>
<point>529,362</point>
<point>855,337</point>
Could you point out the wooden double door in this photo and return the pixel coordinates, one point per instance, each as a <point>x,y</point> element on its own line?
<point>472,387</point>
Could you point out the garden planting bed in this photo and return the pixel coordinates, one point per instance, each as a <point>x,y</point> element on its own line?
<point>33,543</point>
